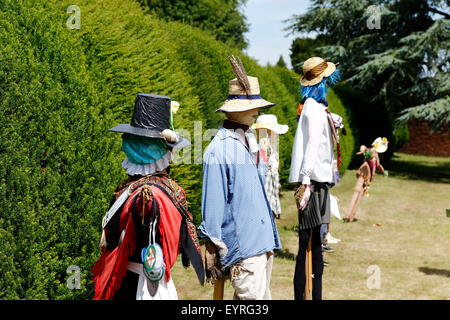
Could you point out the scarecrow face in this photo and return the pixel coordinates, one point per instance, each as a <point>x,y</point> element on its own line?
<point>244,117</point>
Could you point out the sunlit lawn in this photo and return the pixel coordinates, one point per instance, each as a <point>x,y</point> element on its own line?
<point>401,229</point>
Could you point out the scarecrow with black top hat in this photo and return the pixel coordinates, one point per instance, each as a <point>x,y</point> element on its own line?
<point>148,221</point>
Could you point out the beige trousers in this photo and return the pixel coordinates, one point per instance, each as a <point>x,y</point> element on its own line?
<point>250,277</point>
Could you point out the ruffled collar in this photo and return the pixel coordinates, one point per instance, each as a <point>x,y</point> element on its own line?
<point>149,168</point>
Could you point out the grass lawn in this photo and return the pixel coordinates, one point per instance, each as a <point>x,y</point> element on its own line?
<point>401,230</point>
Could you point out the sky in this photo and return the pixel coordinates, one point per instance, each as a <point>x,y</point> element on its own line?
<point>267,40</point>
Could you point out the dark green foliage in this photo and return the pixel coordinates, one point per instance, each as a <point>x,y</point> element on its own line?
<point>303,49</point>
<point>366,119</point>
<point>61,90</point>
<point>281,63</point>
<point>348,143</point>
<point>56,164</point>
<point>222,18</point>
<point>402,63</point>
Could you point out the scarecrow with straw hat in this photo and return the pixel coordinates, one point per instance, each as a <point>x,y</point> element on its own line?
<point>237,220</point>
<point>148,221</point>
<point>366,173</point>
<point>312,166</point>
<point>269,131</point>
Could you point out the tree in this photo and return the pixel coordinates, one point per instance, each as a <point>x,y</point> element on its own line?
<point>302,49</point>
<point>281,63</point>
<point>396,52</point>
<point>222,18</point>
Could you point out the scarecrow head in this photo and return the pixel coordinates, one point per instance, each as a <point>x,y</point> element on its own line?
<point>318,75</point>
<point>149,139</point>
<point>244,97</point>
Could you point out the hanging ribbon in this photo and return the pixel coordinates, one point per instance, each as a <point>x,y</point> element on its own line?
<point>336,137</point>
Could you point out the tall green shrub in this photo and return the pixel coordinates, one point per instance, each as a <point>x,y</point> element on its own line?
<point>56,162</point>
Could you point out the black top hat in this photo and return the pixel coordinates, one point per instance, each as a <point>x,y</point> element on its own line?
<point>151,116</point>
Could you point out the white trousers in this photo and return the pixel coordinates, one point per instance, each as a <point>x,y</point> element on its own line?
<point>166,290</point>
<point>250,277</point>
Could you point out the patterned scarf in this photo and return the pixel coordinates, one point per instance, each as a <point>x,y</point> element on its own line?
<point>175,193</point>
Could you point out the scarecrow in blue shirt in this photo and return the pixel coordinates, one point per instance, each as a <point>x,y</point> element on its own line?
<point>237,220</point>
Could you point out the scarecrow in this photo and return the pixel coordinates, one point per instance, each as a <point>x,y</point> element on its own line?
<point>312,166</point>
<point>366,173</point>
<point>148,221</point>
<point>269,131</point>
<point>237,220</point>
<point>338,124</point>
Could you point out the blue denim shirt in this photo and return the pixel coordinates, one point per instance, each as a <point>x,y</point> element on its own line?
<point>237,216</point>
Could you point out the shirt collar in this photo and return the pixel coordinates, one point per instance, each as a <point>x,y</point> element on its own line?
<point>225,133</point>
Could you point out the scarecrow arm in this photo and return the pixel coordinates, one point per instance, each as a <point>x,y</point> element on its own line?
<point>214,198</point>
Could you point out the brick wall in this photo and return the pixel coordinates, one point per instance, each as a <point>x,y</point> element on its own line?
<point>422,141</point>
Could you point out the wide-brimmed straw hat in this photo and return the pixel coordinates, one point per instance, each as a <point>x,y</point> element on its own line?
<point>315,69</point>
<point>152,118</point>
<point>243,91</point>
<point>380,144</point>
<point>270,122</point>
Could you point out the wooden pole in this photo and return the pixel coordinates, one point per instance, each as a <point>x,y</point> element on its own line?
<point>308,269</point>
<point>218,289</point>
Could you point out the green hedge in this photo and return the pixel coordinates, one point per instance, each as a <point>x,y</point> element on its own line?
<point>55,159</point>
<point>61,89</point>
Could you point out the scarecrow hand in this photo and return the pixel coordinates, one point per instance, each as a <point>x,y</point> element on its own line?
<point>214,269</point>
<point>302,195</point>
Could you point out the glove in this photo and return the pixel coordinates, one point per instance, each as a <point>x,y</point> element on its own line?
<point>213,267</point>
<point>302,195</point>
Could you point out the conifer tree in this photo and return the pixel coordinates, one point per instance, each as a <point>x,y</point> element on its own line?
<point>395,51</point>
<point>281,63</point>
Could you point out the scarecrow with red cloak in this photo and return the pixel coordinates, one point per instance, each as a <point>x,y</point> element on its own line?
<point>148,222</point>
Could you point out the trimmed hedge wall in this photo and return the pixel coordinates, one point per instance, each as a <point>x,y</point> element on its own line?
<point>61,89</point>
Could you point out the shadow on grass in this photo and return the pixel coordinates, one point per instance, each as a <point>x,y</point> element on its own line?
<point>285,254</point>
<point>432,271</point>
<point>420,169</point>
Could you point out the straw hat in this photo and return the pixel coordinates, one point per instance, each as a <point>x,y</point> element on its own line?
<point>269,121</point>
<point>243,91</point>
<point>315,69</point>
<point>380,144</point>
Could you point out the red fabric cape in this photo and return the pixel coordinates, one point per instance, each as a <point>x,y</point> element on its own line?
<point>169,228</point>
<point>110,269</point>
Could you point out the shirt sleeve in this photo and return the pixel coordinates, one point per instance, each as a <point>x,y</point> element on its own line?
<point>214,199</point>
<point>315,123</point>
